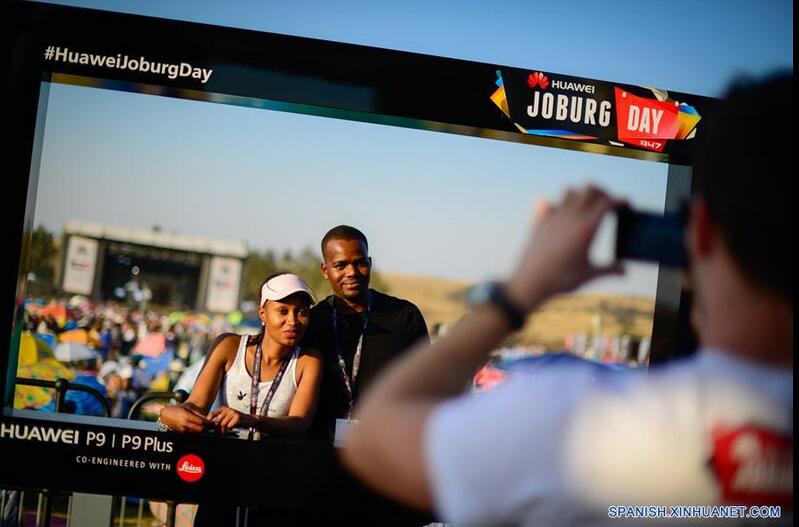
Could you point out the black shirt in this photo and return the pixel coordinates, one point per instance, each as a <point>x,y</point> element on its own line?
<point>394,326</point>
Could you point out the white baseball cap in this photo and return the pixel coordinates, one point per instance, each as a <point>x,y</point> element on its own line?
<point>285,285</point>
<point>126,371</point>
<point>107,369</point>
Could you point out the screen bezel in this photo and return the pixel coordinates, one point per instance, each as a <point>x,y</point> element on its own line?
<point>329,79</point>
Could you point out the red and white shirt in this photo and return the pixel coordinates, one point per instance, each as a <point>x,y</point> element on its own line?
<point>559,444</point>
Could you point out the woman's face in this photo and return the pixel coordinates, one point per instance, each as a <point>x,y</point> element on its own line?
<point>286,320</point>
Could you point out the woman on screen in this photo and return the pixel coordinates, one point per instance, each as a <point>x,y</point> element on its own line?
<point>266,383</point>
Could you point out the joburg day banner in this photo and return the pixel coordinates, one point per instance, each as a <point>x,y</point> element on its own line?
<point>559,106</point>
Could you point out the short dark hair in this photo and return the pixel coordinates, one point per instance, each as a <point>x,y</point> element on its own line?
<point>343,232</point>
<point>742,170</point>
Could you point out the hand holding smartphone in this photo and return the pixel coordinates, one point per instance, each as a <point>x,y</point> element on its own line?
<point>627,234</point>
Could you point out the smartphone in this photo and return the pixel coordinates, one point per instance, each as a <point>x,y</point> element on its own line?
<point>627,234</point>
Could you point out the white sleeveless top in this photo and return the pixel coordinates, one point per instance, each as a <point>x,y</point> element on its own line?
<point>236,384</point>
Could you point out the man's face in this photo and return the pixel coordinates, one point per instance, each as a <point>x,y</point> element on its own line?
<point>347,267</point>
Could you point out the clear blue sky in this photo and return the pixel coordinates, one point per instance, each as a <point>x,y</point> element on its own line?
<point>692,46</point>
<point>431,203</point>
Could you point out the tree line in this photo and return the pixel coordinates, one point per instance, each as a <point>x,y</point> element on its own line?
<point>44,257</point>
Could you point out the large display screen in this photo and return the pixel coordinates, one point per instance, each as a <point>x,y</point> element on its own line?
<point>159,183</point>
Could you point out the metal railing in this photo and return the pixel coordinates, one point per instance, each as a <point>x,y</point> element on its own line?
<point>62,386</point>
<point>44,508</point>
<point>178,395</point>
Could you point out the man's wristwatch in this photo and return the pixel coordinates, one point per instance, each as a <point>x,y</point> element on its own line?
<point>493,294</point>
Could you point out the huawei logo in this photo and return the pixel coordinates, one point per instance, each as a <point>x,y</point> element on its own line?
<point>538,79</point>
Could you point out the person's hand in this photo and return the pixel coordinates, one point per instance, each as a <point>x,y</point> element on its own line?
<point>183,418</point>
<point>226,418</point>
<point>555,259</point>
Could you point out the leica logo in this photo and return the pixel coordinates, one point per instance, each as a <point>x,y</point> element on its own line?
<point>190,468</point>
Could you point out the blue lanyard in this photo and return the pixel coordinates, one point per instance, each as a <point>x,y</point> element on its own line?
<point>356,361</point>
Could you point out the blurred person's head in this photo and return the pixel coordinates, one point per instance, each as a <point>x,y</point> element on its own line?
<point>152,323</point>
<point>113,383</point>
<point>285,302</point>
<point>346,263</point>
<point>126,372</point>
<point>108,367</point>
<point>740,232</point>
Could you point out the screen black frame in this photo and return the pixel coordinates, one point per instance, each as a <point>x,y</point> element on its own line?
<point>298,71</point>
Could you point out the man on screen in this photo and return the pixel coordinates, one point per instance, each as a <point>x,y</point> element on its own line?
<point>358,330</point>
<point>572,443</point>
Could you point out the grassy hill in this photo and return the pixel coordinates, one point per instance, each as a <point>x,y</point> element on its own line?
<point>442,302</point>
